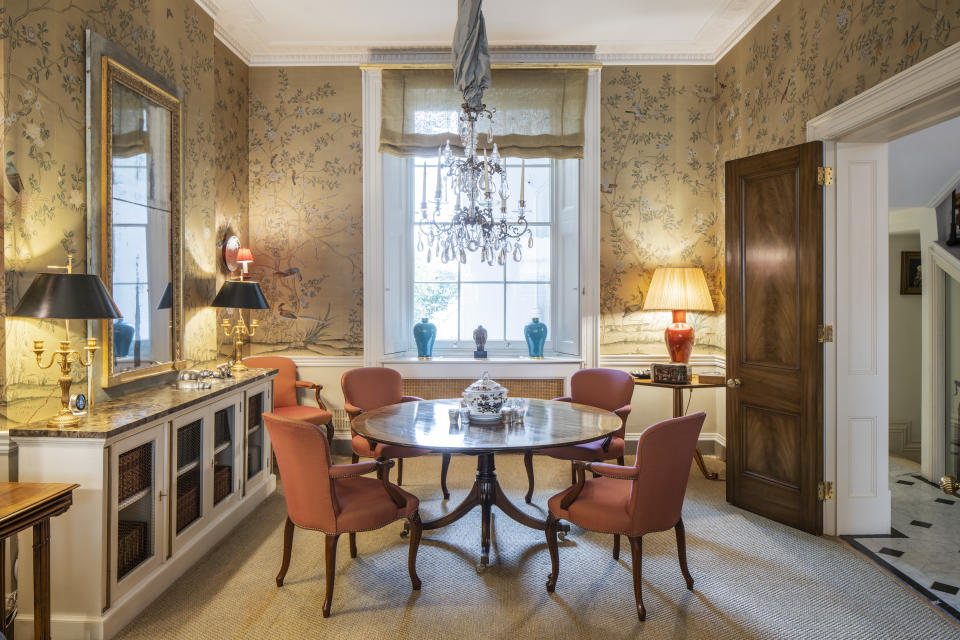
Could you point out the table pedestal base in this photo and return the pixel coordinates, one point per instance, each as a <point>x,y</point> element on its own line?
<point>487,493</point>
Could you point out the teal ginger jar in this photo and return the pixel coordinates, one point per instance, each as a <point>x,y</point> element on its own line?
<point>536,335</point>
<point>424,333</point>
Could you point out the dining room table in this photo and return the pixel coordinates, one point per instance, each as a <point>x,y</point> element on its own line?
<point>431,425</point>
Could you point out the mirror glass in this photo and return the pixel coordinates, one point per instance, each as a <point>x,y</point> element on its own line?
<point>141,214</point>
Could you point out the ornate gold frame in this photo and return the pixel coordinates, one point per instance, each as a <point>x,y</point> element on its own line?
<point>115,66</point>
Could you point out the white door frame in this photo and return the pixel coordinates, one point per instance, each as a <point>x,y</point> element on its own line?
<point>921,96</point>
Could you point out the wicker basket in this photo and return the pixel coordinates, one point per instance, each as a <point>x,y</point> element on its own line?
<point>188,503</point>
<point>188,443</point>
<point>222,476</point>
<point>131,545</point>
<point>135,470</point>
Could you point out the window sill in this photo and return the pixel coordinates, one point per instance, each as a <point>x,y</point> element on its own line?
<point>497,367</point>
<point>480,361</point>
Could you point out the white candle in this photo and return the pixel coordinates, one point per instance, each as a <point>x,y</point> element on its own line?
<point>523,167</point>
<point>439,177</point>
<point>424,203</point>
<point>486,173</point>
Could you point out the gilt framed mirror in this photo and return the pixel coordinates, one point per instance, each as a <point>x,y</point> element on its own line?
<point>135,231</point>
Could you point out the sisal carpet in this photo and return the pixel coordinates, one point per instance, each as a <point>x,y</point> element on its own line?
<point>754,579</point>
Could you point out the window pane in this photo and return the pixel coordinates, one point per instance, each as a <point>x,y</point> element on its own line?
<point>525,302</point>
<point>481,304</point>
<point>433,271</point>
<point>476,270</point>
<point>438,303</point>
<point>534,263</point>
<point>537,191</point>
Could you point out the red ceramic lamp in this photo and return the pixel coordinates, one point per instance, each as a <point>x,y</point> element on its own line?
<point>678,289</point>
<point>244,257</point>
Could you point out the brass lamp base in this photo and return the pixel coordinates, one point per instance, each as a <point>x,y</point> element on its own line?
<point>238,367</point>
<point>64,418</point>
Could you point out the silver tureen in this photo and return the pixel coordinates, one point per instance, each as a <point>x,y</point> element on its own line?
<point>484,398</point>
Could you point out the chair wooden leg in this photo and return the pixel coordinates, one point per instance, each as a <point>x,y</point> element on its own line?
<point>616,546</point>
<point>416,530</point>
<point>682,553</point>
<point>329,426</point>
<point>528,463</point>
<point>620,461</point>
<point>636,550</point>
<point>287,548</point>
<point>330,568</point>
<point>399,472</point>
<point>573,473</point>
<point>353,545</point>
<point>551,529</point>
<point>355,459</point>
<point>443,476</point>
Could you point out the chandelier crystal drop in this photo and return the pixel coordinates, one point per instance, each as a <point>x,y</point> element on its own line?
<point>479,222</point>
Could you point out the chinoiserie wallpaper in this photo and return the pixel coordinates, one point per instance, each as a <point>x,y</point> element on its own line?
<point>45,187</point>
<point>804,58</point>
<point>232,200</point>
<point>306,208</point>
<point>658,200</point>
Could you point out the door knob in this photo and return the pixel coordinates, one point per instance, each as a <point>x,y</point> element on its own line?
<point>734,383</point>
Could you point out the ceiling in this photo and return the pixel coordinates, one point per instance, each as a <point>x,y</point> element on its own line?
<point>267,32</point>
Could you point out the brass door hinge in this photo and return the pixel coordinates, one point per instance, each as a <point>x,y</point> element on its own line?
<point>824,333</point>
<point>824,176</point>
<point>824,491</point>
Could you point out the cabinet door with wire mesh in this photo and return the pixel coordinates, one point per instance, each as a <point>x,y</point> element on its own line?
<point>188,488</point>
<point>138,499</point>
<point>225,453</point>
<point>257,442</point>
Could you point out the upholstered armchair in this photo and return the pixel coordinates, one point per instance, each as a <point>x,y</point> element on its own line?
<point>285,386</point>
<point>632,501</point>
<point>609,389</point>
<point>335,499</point>
<point>371,388</point>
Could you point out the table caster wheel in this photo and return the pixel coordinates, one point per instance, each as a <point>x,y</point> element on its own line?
<point>561,535</point>
<point>482,567</point>
<point>406,529</point>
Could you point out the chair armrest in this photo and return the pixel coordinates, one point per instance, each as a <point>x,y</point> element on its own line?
<point>623,412</point>
<point>577,488</point>
<point>338,471</point>
<point>391,490</point>
<point>563,399</point>
<point>303,384</point>
<point>410,399</point>
<point>351,410</point>
<point>613,470</point>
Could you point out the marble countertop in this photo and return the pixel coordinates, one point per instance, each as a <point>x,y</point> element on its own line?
<point>119,415</point>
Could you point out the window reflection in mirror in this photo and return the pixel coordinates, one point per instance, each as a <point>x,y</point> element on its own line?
<point>142,212</point>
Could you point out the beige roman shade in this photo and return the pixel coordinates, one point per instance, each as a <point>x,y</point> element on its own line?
<point>539,112</point>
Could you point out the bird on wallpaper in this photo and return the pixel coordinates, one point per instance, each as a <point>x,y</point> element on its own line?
<point>284,313</point>
<point>637,111</point>
<point>13,176</point>
<point>169,13</point>
<point>289,272</point>
<point>293,176</point>
<point>281,309</point>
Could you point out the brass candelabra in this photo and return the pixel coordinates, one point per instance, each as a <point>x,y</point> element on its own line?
<point>237,331</point>
<point>66,356</point>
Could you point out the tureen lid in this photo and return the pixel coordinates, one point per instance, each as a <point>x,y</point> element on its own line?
<point>485,384</point>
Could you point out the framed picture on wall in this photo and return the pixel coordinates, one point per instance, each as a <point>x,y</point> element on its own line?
<point>911,277</point>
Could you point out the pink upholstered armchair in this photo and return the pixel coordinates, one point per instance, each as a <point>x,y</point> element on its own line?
<point>632,501</point>
<point>371,388</point>
<point>285,386</point>
<point>335,499</point>
<point>609,389</point>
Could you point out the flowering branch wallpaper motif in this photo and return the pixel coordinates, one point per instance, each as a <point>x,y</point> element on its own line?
<point>306,209</point>
<point>658,205</point>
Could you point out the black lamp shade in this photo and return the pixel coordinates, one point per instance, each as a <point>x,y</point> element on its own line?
<point>240,294</point>
<point>67,296</point>
<point>166,300</point>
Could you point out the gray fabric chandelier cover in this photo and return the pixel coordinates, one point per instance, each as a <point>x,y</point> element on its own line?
<point>471,56</point>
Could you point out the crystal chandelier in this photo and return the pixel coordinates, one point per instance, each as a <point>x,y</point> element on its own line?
<point>479,182</point>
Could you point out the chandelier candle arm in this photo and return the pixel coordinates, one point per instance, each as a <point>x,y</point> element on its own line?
<point>523,169</point>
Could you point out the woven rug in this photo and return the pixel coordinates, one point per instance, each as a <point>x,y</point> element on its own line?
<point>754,578</point>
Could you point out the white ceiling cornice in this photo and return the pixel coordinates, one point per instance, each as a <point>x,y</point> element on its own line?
<point>758,14</point>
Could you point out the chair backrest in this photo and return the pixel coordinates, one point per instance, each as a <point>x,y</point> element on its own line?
<point>607,389</point>
<point>303,457</point>
<point>284,384</point>
<point>372,387</point>
<point>664,455</point>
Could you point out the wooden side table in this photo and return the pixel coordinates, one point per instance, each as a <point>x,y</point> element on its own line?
<point>678,410</point>
<point>32,504</point>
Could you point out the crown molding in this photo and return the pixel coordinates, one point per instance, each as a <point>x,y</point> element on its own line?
<point>231,43</point>
<point>211,7</point>
<point>752,20</point>
<point>626,58</point>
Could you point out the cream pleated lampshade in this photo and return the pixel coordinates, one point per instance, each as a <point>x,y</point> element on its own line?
<point>678,289</point>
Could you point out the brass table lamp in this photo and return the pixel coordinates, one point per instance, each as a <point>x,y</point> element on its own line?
<point>66,296</point>
<point>240,294</point>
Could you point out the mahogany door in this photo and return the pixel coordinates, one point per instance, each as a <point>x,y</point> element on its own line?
<point>774,360</point>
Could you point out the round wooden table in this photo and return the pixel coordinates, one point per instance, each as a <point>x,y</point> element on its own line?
<point>426,425</point>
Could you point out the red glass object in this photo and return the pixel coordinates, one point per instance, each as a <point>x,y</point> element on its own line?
<point>679,338</point>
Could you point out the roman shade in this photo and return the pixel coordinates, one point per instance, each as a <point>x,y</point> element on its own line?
<point>539,112</point>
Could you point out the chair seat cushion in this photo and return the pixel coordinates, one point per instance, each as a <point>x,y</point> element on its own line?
<point>590,451</point>
<point>361,447</point>
<point>312,415</point>
<point>365,505</point>
<point>601,506</point>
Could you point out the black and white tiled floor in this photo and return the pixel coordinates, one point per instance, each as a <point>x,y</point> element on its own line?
<point>923,548</point>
